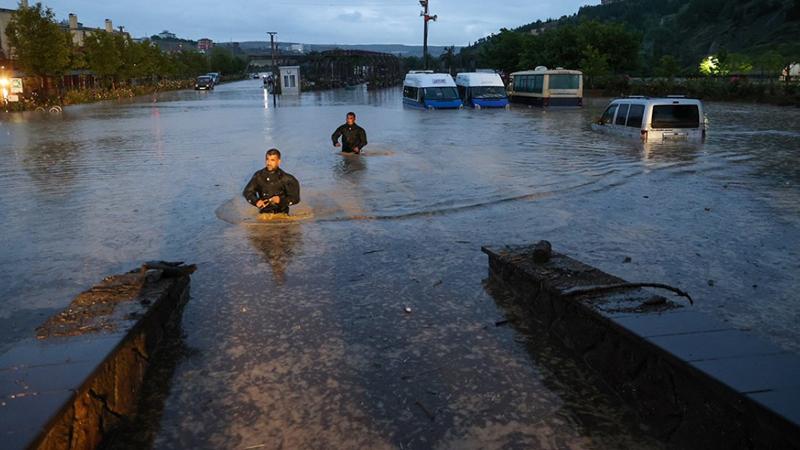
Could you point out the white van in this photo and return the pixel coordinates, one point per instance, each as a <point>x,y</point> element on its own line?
<point>425,89</point>
<point>482,89</point>
<point>654,119</point>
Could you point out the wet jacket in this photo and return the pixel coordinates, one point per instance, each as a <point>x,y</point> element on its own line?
<point>265,185</point>
<point>353,136</point>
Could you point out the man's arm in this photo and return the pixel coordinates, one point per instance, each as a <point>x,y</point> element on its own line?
<point>251,191</point>
<point>336,135</point>
<point>363,138</point>
<point>292,191</point>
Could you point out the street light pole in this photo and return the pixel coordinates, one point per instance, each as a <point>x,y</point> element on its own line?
<point>274,75</point>
<point>427,18</point>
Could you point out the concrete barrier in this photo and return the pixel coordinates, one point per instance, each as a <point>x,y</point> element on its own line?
<point>696,381</point>
<point>71,386</point>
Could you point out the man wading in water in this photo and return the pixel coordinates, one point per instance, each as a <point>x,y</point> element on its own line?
<point>272,190</point>
<point>354,138</point>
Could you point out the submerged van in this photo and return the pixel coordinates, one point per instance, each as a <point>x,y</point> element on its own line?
<point>425,89</point>
<point>654,119</point>
<point>482,89</point>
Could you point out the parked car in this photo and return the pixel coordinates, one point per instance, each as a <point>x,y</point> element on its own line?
<point>215,76</point>
<point>654,119</point>
<point>204,83</point>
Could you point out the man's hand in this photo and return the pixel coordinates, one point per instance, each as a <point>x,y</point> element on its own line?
<point>261,204</point>
<point>356,150</point>
<point>275,200</point>
<point>336,144</point>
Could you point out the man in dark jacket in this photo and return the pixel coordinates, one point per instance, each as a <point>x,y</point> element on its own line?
<point>354,138</point>
<point>272,190</point>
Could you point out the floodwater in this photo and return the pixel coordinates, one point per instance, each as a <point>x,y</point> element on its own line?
<point>297,333</point>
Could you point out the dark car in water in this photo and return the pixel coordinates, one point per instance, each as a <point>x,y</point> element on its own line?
<point>204,82</point>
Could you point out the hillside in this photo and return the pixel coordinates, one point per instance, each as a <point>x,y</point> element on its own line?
<point>692,29</point>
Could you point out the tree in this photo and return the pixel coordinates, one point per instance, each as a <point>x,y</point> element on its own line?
<point>104,56</point>
<point>771,63</point>
<point>594,64</point>
<point>41,47</point>
<point>668,67</point>
<point>503,51</point>
<point>448,58</point>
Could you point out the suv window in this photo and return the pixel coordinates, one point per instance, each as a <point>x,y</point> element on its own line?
<point>608,116</point>
<point>635,116</point>
<point>676,116</point>
<point>622,114</point>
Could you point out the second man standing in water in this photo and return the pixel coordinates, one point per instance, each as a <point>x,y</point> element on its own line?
<point>354,138</point>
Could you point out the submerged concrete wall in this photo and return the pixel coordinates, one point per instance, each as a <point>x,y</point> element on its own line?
<point>696,381</point>
<point>71,387</point>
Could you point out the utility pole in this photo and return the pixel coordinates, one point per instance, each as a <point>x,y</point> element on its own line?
<point>274,73</point>
<point>427,18</point>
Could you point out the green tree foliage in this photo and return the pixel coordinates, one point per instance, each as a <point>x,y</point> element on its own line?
<point>594,64</point>
<point>104,54</point>
<point>40,46</point>
<point>668,67</point>
<point>503,51</point>
<point>225,62</point>
<point>603,47</point>
<point>449,59</point>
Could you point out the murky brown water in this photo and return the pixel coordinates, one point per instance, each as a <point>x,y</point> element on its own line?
<point>297,333</point>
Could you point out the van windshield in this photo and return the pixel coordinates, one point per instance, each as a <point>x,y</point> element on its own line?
<point>441,94</point>
<point>676,116</point>
<point>565,81</point>
<point>489,92</point>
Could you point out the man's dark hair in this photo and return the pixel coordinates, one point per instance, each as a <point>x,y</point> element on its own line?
<point>273,152</point>
<point>351,113</point>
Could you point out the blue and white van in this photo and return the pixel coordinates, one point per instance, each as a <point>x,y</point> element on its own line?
<point>482,89</point>
<point>425,89</point>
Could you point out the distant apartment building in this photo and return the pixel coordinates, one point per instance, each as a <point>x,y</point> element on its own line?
<point>80,33</point>
<point>205,44</point>
<point>75,28</point>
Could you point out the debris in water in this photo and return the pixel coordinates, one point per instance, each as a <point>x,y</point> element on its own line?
<point>407,309</point>
<point>500,323</point>
<point>542,252</point>
<point>627,260</point>
<point>437,283</point>
<point>373,251</point>
<point>711,282</point>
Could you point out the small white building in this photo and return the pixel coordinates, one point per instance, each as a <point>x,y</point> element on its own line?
<point>290,80</point>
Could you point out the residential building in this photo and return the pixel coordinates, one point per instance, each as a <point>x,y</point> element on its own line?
<point>205,44</point>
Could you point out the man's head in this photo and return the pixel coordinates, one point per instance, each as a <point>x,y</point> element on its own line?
<point>351,118</point>
<point>273,159</point>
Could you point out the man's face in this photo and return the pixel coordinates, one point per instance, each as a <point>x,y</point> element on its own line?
<point>351,120</point>
<point>273,162</point>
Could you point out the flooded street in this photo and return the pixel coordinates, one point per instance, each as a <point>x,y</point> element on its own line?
<point>298,335</point>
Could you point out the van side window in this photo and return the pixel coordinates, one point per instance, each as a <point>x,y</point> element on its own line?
<point>635,116</point>
<point>410,92</point>
<point>608,116</point>
<point>622,114</point>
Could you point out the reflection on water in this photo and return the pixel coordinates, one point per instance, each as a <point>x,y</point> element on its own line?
<point>278,245</point>
<point>298,330</point>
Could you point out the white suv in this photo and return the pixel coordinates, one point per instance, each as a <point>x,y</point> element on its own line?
<point>654,119</point>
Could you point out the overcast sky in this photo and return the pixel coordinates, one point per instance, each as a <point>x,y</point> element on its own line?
<point>314,21</point>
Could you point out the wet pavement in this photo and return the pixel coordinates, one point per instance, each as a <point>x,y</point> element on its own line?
<point>297,333</point>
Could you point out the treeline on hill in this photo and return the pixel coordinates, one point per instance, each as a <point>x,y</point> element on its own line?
<point>672,37</point>
<point>45,50</point>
